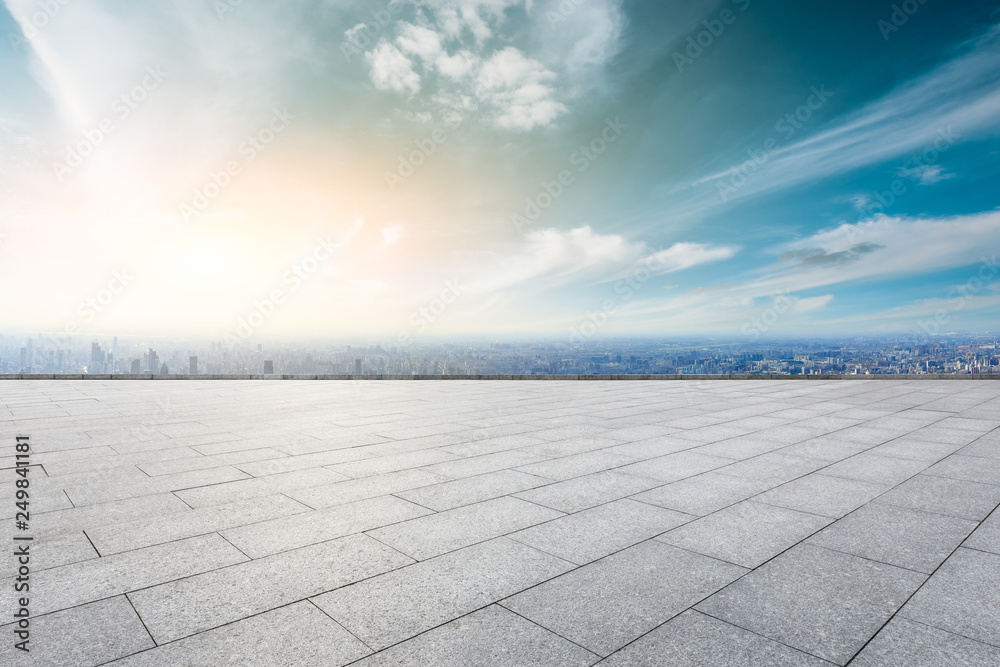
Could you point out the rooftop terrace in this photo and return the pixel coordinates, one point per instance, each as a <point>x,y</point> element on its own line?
<point>506,523</point>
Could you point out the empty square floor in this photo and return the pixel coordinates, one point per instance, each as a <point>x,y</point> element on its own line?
<point>326,523</point>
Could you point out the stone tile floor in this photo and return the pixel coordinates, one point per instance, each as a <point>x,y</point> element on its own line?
<point>507,523</point>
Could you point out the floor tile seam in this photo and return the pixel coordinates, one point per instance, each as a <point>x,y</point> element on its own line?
<point>949,632</point>
<point>155,493</point>
<point>911,596</point>
<point>942,515</point>
<point>312,603</point>
<point>961,479</point>
<point>763,636</point>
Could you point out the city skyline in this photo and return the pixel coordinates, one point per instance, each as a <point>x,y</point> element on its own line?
<point>449,168</point>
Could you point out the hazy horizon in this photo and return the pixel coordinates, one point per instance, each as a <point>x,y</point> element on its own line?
<point>435,169</point>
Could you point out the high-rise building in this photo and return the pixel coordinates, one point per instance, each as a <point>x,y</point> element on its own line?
<point>193,365</point>
<point>136,367</point>
<point>96,358</point>
<point>154,362</point>
<point>268,367</point>
<point>164,370</point>
<point>357,367</point>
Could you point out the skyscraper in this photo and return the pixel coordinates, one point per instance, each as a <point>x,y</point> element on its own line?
<point>357,367</point>
<point>268,367</point>
<point>154,362</point>
<point>136,367</point>
<point>96,358</point>
<point>193,365</point>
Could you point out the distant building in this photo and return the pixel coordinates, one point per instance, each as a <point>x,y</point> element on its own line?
<point>136,367</point>
<point>268,367</point>
<point>153,364</point>
<point>193,365</point>
<point>96,358</point>
<point>164,370</point>
<point>357,366</point>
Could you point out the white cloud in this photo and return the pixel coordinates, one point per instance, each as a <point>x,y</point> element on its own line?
<point>518,90</point>
<point>685,255</point>
<point>926,174</point>
<point>550,257</point>
<point>521,73</point>
<point>391,70</point>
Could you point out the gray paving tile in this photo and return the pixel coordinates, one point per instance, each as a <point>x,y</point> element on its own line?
<point>962,597</point>
<point>490,636</point>
<point>674,467</point>
<point>942,495</point>
<point>286,483</point>
<point>299,530</point>
<point>469,490</point>
<point>832,447</point>
<point>653,447</point>
<point>916,450</point>
<point>433,535</point>
<point>823,495</point>
<point>695,640</point>
<point>299,635</point>
<point>747,534</point>
<point>969,468</point>
<point>87,581</point>
<point>480,465</point>
<point>392,463</point>
<point>91,634</point>
<point>387,609</point>
<point>48,551</point>
<point>493,445</point>
<point>882,470</point>
<point>819,601</point>
<point>742,447</point>
<point>94,494</point>
<point>159,530</point>
<point>581,493</point>
<point>987,536</point>
<point>703,494</point>
<point>594,533</point>
<point>774,468</point>
<point>353,490</point>
<point>174,466</point>
<point>609,603</point>
<point>903,643</point>
<point>577,465</point>
<point>896,535</point>
<point>181,608</point>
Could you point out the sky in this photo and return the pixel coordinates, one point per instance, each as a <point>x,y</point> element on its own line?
<point>560,168</point>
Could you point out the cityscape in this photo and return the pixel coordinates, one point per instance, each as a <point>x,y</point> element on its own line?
<point>965,354</point>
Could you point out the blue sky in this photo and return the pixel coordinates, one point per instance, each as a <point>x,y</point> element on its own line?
<point>739,169</point>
